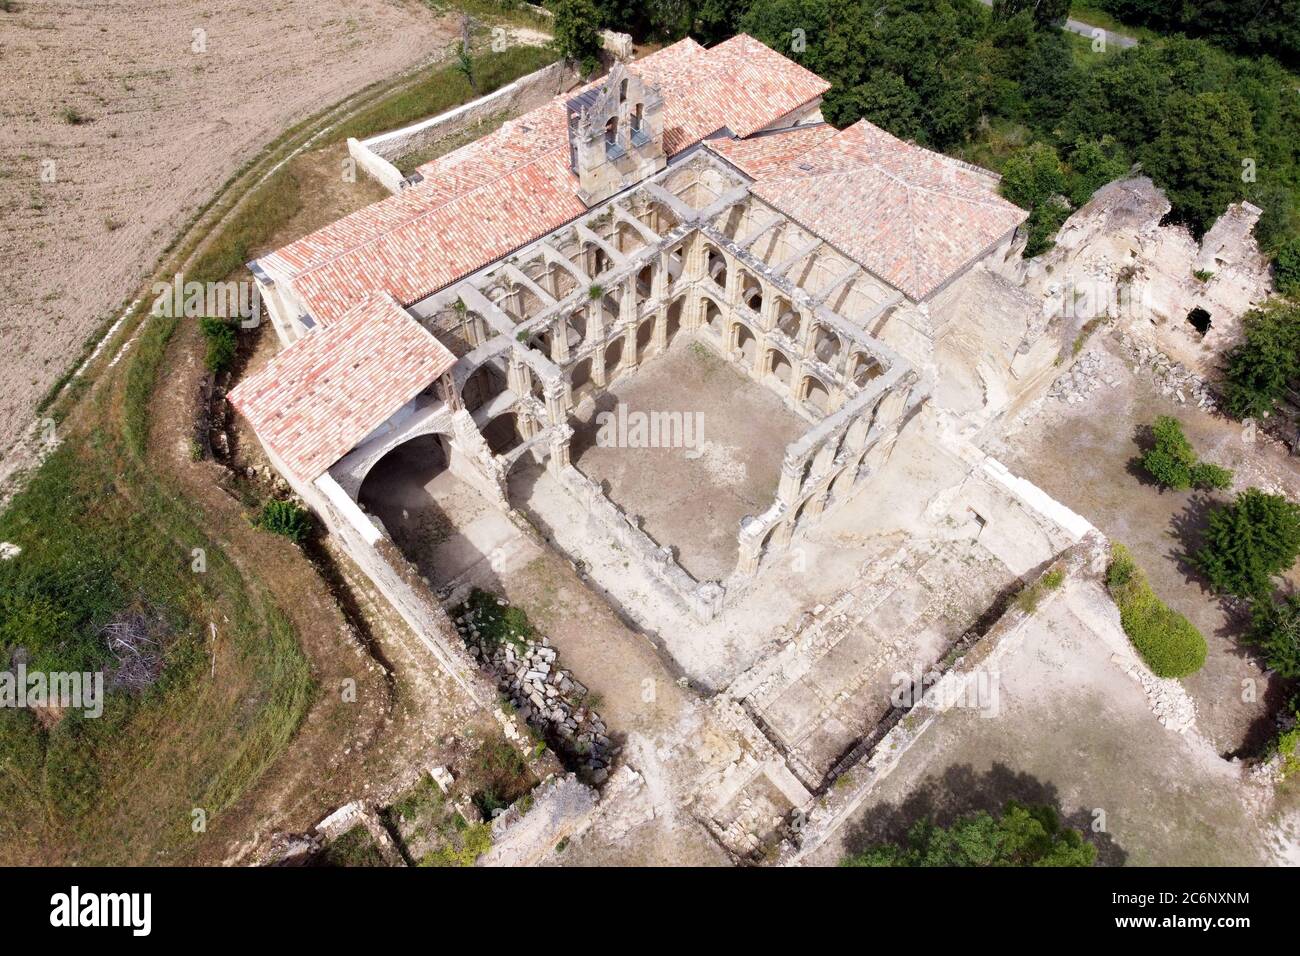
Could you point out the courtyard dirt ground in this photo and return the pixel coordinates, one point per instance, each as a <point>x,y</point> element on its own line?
<point>1073,729</point>
<point>141,129</point>
<point>692,499</point>
<point>1084,455</point>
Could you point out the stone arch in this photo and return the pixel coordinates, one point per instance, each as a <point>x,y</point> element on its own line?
<point>779,366</point>
<point>503,433</point>
<point>813,392</point>
<point>827,345</point>
<point>716,265</point>
<point>613,356</point>
<point>645,336</point>
<point>790,323</point>
<point>576,328</point>
<point>580,381</point>
<point>481,386</point>
<point>645,280</point>
<point>674,320</point>
<point>743,339</point>
<point>863,367</point>
<point>712,317</point>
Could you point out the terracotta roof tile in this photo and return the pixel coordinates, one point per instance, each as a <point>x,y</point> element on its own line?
<point>514,185</point>
<point>769,153</point>
<point>327,391</point>
<point>910,216</point>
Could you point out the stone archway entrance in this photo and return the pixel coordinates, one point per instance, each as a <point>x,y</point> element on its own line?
<point>442,524</point>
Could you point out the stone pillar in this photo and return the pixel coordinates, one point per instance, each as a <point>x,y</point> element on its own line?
<point>791,481</point>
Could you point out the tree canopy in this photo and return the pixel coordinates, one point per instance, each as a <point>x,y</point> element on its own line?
<point>1018,836</point>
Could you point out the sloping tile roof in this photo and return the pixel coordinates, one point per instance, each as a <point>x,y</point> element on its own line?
<point>322,395</point>
<point>912,217</point>
<point>514,185</point>
<point>769,153</point>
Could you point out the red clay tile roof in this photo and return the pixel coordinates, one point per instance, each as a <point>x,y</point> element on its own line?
<point>762,155</point>
<point>514,185</point>
<point>327,391</point>
<point>912,217</point>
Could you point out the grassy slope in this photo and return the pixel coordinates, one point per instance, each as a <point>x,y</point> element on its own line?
<point>104,515</point>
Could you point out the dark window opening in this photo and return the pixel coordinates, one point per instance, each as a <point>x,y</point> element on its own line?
<point>1199,319</point>
<point>622,92</point>
<point>611,132</point>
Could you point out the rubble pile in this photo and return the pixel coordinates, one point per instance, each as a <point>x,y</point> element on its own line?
<point>547,697</point>
<point>1082,379</point>
<point>1174,380</point>
<point>1169,701</point>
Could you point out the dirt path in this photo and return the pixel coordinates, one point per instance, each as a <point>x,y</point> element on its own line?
<point>120,120</point>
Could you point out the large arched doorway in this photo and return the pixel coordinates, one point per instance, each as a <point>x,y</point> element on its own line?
<point>438,521</point>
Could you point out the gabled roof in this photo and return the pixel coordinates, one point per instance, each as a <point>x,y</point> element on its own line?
<point>912,217</point>
<point>514,185</point>
<point>312,403</point>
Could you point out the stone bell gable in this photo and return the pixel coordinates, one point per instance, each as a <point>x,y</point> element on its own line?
<point>615,135</point>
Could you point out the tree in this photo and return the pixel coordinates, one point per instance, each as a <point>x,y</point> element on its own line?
<point>886,100</point>
<point>1197,157</point>
<point>1032,176</point>
<point>1046,13</point>
<point>577,32</point>
<point>1093,164</point>
<point>1019,836</point>
<point>1268,358</point>
<point>1286,267</point>
<point>1248,542</point>
<point>1275,629</point>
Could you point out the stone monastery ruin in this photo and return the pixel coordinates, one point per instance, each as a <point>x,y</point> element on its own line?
<point>694,200</point>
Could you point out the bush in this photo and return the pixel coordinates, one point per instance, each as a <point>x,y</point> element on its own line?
<point>1019,836</point>
<point>1165,639</point>
<point>286,518</point>
<point>1211,477</point>
<point>1171,460</point>
<point>220,335</point>
<point>1248,541</point>
<point>1275,629</point>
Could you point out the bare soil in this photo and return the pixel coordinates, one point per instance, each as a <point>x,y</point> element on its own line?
<point>116,130</point>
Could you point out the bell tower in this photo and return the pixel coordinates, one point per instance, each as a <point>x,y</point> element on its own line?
<point>615,135</point>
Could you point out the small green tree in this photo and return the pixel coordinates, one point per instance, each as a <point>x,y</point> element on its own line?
<point>465,65</point>
<point>1032,176</point>
<point>1019,836</point>
<point>1275,629</point>
<point>1167,641</point>
<point>1248,541</point>
<point>577,32</point>
<point>1264,362</point>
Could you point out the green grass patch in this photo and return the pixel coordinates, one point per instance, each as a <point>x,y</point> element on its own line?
<point>1167,641</point>
<point>1029,599</point>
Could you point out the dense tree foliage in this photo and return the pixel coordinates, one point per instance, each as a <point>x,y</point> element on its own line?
<point>1275,630</point>
<point>1249,542</point>
<point>577,32</point>
<point>1266,360</point>
<point>1272,28</point>
<point>1019,836</point>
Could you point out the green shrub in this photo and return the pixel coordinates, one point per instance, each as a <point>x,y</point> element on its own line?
<point>1167,641</point>
<point>1248,541</point>
<point>1275,629</point>
<point>1211,477</point>
<point>1171,460</point>
<point>286,518</point>
<point>1019,836</point>
<point>220,336</point>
